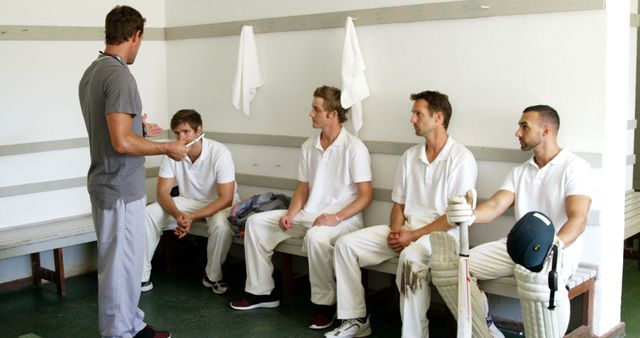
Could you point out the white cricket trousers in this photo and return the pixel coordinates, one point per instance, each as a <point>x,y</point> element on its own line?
<point>218,244</point>
<point>368,247</point>
<point>491,261</point>
<point>120,233</point>
<point>263,234</point>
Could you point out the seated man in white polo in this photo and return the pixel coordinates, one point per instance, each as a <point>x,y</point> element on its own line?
<point>206,181</point>
<point>427,175</point>
<point>334,186</point>
<point>555,182</point>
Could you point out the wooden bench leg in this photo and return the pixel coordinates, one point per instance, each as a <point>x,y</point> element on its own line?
<point>38,273</point>
<point>169,242</point>
<point>59,274</point>
<point>287,277</point>
<point>587,308</point>
<point>587,290</point>
<point>35,269</point>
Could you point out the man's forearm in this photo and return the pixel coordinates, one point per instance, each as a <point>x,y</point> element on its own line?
<point>212,208</point>
<point>439,224</point>
<point>571,230</point>
<point>397,218</point>
<point>355,207</point>
<point>133,144</point>
<point>168,205</point>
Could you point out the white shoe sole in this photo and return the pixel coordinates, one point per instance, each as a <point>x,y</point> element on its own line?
<point>215,290</point>
<point>263,305</point>
<point>147,287</point>
<point>318,327</point>
<point>363,332</point>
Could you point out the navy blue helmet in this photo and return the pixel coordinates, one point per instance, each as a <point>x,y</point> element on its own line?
<point>530,240</point>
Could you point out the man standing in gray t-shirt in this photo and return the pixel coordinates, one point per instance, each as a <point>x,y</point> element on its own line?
<point>112,112</point>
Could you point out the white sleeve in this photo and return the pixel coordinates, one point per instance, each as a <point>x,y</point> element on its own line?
<point>578,179</point>
<point>303,165</point>
<point>509,183</point>
<point>463,174</point>
<point>167,169</point>
<point>399,192</point>
<point>225,170</point>
<point>360,166</point>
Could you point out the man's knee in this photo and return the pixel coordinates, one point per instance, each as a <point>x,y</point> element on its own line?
<point>317,237</point>
<point>414,254</point>
<point>252,223</point>
<point>154,216</point>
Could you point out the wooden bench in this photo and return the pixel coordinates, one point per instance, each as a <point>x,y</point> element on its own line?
<point>31,239</point>
<point>59,233</point>
<point>582,282</point>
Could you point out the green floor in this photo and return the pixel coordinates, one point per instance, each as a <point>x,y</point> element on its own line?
<point>179,303</point>
<point>631,297</point>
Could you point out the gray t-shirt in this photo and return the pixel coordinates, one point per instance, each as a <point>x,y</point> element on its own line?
<point>106,87</point>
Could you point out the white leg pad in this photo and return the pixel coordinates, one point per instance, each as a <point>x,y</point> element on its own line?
<point>444,275</point>
<point>539,321</point>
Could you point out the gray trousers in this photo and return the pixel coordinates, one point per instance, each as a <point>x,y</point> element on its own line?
<point>120,233</point>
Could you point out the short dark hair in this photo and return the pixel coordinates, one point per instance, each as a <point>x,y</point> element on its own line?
<point>331,97</point>
<point>189,116</point>
<point>547,114</point>
<point>438,102</point>
<point>122,23</point>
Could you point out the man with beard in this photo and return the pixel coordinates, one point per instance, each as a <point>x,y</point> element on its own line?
<point>554,182</point>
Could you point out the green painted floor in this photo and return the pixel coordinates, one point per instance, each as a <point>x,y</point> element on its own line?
<point>631,297</point>
<point>179,303</point>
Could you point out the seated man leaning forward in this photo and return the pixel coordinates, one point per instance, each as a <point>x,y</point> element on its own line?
<point>334,186</point>
<point>554,182</point>
<point>206,180</point>
<point>427,175</point>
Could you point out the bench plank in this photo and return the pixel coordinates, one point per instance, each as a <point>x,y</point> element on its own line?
<point>37,237</point>
<point>31,239</point>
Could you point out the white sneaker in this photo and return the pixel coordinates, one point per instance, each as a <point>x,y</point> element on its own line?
<point>146,286</point>
<point>495,333</point>
<point>218,287</point>
<point>351,328</point>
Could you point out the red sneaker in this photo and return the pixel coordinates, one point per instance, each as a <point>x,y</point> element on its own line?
<point>150,332</point>
<point>251,301</point>
<point>324,317</point>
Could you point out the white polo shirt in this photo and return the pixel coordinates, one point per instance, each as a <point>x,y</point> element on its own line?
<point>546,189</point>
<point>425,187</point>
<point>198,180</point>
<point>332,174</point>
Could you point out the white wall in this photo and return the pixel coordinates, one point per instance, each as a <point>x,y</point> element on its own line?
<point>464,58</point>
<point>74,12</point>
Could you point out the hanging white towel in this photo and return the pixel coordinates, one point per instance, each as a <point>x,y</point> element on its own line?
<point>248,76</point>
<point>354,81</point>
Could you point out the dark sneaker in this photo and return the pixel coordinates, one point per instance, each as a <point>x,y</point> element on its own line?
<point>218,287</point>
<point>150,332</point>
<point>251,301</point>
<point>351,328</point>
<point>324,317</point>
<point>146,286</point>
